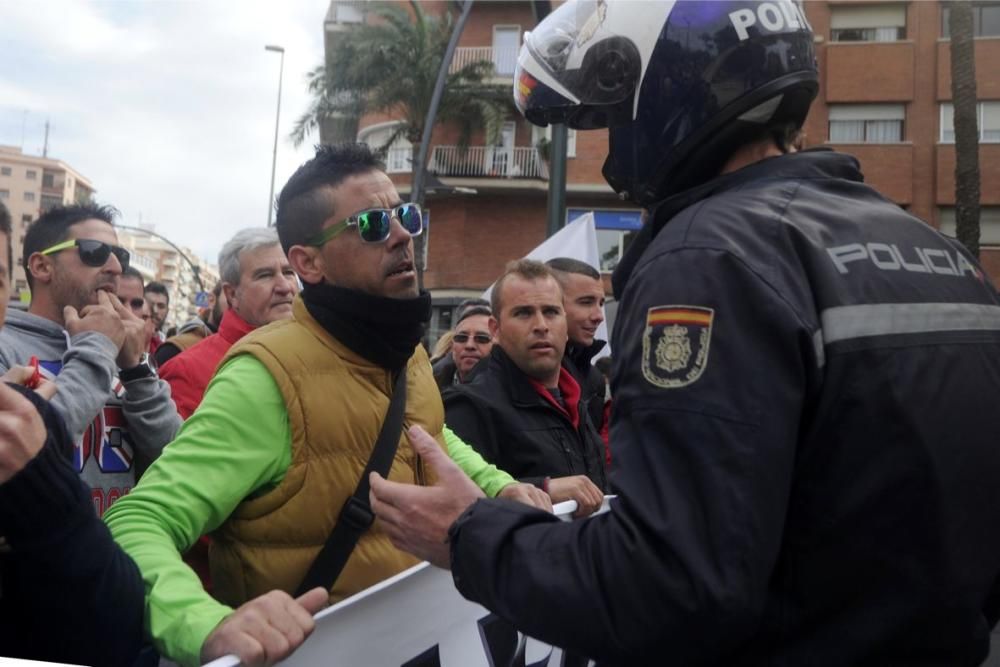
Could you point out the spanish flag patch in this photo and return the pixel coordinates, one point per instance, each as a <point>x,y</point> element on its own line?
<point>675,344</point>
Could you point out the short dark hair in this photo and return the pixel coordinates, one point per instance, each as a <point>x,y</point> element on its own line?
<point>52,227</point>
<point>469,307</point>
<point>528,269</point>
<point>6,228</point>
<point>132,272</point>
<point>157,288</point>
<point>305,204</point>
<point>570,265</point>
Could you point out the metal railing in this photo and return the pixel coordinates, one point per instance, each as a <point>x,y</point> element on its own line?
<point>488,162</point>
<point>504,58</point>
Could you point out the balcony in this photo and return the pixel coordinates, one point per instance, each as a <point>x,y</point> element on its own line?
<point>488,162</point>
<point>504,58</point>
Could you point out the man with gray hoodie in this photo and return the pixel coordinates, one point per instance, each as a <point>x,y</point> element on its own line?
<point>117,410</point>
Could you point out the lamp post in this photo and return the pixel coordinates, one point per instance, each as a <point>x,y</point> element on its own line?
<point>277,120</point>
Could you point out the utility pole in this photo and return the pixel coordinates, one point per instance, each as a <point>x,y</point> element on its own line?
<point>45,148</point>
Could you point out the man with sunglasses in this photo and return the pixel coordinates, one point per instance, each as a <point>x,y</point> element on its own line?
<point>470,342</point>
<point>118,412</point>
<point>283,434</point>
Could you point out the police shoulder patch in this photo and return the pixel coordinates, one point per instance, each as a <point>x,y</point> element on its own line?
<point>675,344</point>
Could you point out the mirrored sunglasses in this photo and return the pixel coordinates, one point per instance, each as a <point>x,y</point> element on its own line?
<point>374,224</point>
<point>463,338</point>
<point>92,253</point>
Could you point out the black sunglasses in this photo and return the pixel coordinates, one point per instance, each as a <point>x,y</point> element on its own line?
<point>463,338</point>
<point>135,304</point>
<point>92,253</point>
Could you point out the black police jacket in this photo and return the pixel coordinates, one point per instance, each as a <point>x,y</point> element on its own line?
<point>806,389</point>
<point>500,414</point>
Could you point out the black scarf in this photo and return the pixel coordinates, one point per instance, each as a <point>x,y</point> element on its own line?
<point>382,330</point>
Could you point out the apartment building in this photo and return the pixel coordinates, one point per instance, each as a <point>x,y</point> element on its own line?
<point>30,185</point>
<point>885,97</point>
<point>181,271</point>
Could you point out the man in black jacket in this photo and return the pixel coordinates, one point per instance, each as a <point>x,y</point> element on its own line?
<point>522,410</point>
<point>805,380</point>
<point>68,593</point>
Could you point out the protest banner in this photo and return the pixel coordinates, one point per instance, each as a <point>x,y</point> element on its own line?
<point>418,619</point>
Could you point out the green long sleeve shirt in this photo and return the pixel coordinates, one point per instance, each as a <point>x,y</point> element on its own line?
<point>237,444</point>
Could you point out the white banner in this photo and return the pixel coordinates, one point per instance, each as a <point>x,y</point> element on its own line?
<point>418,619</point>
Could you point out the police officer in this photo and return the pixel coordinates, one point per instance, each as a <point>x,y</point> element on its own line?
<point>805,380</point>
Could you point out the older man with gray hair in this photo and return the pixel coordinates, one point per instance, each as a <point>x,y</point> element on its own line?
<point>259,285</point>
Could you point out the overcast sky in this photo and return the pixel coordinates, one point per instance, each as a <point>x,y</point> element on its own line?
<point>167,106</point>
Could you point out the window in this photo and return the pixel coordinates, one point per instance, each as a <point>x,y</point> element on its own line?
<point>866,123</point>
<point>542,136</point>
<point>615,231</point>
<point>506,45</point>
<point>48,180</point>
<point>31,174</point>
<point>868,23</point>
<point>988,121</point>
<point>399,156</point>
<point>5,171</point>
<point>29,196</point>
<point>989,223</point>
<point>348,13</point>
<point>4,194</point>
<point>25,219</point>
<point>985,19</point>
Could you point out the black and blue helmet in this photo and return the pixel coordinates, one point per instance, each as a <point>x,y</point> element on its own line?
<point>679,84</point>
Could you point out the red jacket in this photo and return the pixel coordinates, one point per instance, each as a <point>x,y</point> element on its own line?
<point>189,372</point>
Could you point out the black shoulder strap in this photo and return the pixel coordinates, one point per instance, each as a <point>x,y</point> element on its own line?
<point>356,515</point>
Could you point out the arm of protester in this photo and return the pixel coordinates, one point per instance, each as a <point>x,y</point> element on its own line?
<point>487,476</point>
<point>151,414</point>
<point>579,488</point>
<point>417,518</point>
<point>528,494</point>
<point>26,376</point>
<point>137,333</point>
<point>87,364</point>
<point>71,571</point>
<point>191,489</point>
<point>267,629</point>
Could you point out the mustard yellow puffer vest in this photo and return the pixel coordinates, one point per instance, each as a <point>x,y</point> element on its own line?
<point>336,403</point>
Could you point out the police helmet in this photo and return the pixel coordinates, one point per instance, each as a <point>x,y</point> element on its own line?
<point>680,84</point>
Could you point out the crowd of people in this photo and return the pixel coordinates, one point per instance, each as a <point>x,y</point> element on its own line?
<point>801,441</point>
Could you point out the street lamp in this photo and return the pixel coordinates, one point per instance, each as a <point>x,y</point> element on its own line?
<point>277,120</point>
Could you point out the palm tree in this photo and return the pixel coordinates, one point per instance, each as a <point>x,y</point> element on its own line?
<point>963,95</point>
<point>390,65</point>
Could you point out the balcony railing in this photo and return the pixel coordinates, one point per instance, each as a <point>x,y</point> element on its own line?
<point>504,58</point>
<point>488,162</point>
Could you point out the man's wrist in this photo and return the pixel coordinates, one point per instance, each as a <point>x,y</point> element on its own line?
<point>141,370</point>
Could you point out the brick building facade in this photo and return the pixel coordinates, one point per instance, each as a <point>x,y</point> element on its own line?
<point>885,89</point>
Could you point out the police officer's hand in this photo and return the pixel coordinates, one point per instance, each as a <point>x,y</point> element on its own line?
<point>579,488</point>
<point>267,629</point>
<point>22,432</point>
<point>417,518</point>
<point>529,494</point>
<point>23,375</point>
<point>137,335</point>
<point>100,317</point>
